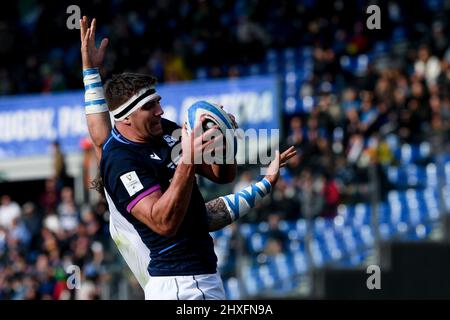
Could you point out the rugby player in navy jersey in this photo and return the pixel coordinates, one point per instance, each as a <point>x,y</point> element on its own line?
<point>159,219</point>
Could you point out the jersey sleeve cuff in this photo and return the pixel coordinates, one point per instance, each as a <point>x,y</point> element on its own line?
<point>142,195</point>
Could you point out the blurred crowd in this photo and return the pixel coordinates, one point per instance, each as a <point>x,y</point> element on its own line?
<point>405,94</point>
<point>172,39</point>
<point>52,246</point>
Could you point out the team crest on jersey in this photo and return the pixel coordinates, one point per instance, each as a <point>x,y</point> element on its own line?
<point>170,140</point>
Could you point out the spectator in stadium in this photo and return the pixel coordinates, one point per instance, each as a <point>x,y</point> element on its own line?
<point>331,195</point>
<point>68,213</point>
<point>9,211</point>
<point>49,199</point>
<point>427,66</point>
<point>19,234</point>
<point>274,232</point>
<point>295,136</point>
<point>59,165</point>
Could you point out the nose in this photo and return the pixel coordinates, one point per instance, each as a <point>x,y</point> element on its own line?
<point>158,110</point>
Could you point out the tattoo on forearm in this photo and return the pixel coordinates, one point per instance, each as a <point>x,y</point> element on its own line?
<point>217,214</point>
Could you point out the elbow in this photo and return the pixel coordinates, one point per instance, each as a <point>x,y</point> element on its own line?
<point>165,223</point>
<point>98,142</point>
<point>168,230</point>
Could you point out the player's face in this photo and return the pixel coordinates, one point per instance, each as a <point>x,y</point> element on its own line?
<point>147,119</point>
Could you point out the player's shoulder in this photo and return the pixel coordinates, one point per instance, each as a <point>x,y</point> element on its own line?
<point>118,153</point>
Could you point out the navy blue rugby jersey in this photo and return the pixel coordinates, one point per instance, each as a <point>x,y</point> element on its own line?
<point>130,171</point>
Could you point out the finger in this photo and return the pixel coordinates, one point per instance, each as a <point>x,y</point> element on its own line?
<point>93,26</point>
<point>287,157</point>
<point>86,36</point>
<point>289,152</point>
<point>197,130</point>
<point>104,44</point>
<point>82,28</point>
<point>211,132</point>
<point>216,146</point>
<point>233,120</point>
<point>291,148</point>
<point>183,130</point>
<point>216,141</point>
<point>208,143</point>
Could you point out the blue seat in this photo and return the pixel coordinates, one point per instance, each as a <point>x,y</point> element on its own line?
<point>386,231</point>
<point>346,212</point>
<point>356,65</point>
<point>256,243</point>
<point>287,226</point>
<point>409,153</point>
<point>367,236</point>
<point>349,239</point>
<point>447,173</point>
<point>419,232</point>
<point>232,289</point>
<point>300,262</point>
<point>362,214</point>
<point>412,175</point>
<point>317,253</point>
<point>446,192</point>
<point>431,176</point>
<point>251,280</point>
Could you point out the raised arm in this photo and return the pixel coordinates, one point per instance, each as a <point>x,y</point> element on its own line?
<point>97,114</point>
<point>225,210</point>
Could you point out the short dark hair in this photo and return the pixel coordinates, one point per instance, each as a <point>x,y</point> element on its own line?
<point>122,86</point>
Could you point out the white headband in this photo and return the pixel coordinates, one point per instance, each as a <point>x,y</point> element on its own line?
<point>135,102</point>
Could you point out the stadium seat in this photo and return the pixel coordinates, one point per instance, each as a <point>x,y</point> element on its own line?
<point>232,289</point>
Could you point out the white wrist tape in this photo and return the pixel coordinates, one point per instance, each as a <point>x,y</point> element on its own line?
<point>94,98</point>
<point>239,204</point>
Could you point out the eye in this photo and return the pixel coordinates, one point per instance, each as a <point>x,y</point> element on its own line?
<point>147,106</point>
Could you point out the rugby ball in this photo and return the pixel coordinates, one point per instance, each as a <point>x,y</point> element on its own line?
<point>214,115</point>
